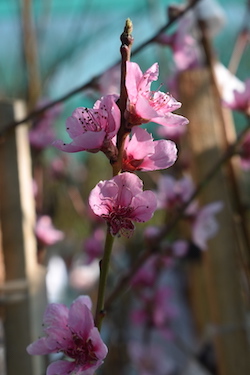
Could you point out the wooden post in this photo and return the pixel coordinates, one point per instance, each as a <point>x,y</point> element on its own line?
<point>23,290</point>
<point>205,140</point>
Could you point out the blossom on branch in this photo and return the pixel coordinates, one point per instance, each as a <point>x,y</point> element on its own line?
<point>92,129</point>
<point>71,331</point>
<point>205,225</point>
<point>172,193</point>
<point>150,359</point>
<point>155,310</point>
<point>46,233</point>
<point>240,100</point>
<point>42,132</point>
<point>142,153</point>
<point>145,105</point>
<point>186,49</point>
<point>120,201</point>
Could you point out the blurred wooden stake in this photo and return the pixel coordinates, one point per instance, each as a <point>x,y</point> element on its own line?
<point>23,291</point>
<point>30,55</point>
<point>206,140</point>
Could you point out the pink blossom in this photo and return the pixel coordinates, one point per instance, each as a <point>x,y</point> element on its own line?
<point>156,310</point>
<point>42,132</point>
<point>241,99</point>
<point>150,360</point>
<point>84,276</point>
<point>205,225</point>
<point>92,129</point>
<point>163,311</point>
<point>109,82</point>
<point>71,331</point>
<point>93,245</point>
<point>179,248</point>
<point>228,83</point>
<point>147,274</point>
<point>173,193</point>
<point>120,201</point>
<point>174,133</point>
<point>145,105</point>
<point>186,50</point>
<point>142,153</point>
<point>46,232</point>
<point>245,152</point>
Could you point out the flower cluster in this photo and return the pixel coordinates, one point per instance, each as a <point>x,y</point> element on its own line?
<point>95,129</point>
<point>172,194</point>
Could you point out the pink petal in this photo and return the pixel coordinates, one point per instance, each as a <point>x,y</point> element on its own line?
<point>145,204</point>
<point>100,348</point>
<point>124,197</point>
<point>164,156</point>
<point>108,189</point>
<point>80,318</point>
<point>133,77</point>
<point>144,109</point>
<point>61,368</point>
<point>89,141</point>
<point>73,125</point>
<point>170,119</point>
<point>148,77</point>
<point>130,180</point>
<point>56,315</point>
<point>100,198</point>
<point>140,145</point>
<point>114,115</point>
<point>39,347</point>
<point>56,326</point>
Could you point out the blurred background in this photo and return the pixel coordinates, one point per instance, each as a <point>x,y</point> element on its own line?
<point>52,48</point>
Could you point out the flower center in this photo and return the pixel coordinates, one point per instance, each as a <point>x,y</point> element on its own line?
<point>118,220</point>
<point>82,351</point>
<point>94,119</point>
<point>157,99</point>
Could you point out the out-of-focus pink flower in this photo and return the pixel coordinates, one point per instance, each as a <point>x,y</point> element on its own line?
<point>142,153</point>
<point>72,332</point>
<point>42,133</point>
<point>173,193</point>
<point>145,105</point>
<point>186,50</point>
<point>228,83</point>
<point>241,99</point>
<point>109,82</point>
<point>147,274</point>
<point>83,276</point>
<point>156,310</point>
<point>179,248</point>
<point>120,201</point>
<point>205,226</point>
<point>174,133</point>
<point>59,166</point>
<point>164,311</point>
<point>91,129</point>
<point>46,232</point>
<point>93,246</point>
<point>149,360</point>
<point>151,233</point>
<point>245,152</point>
